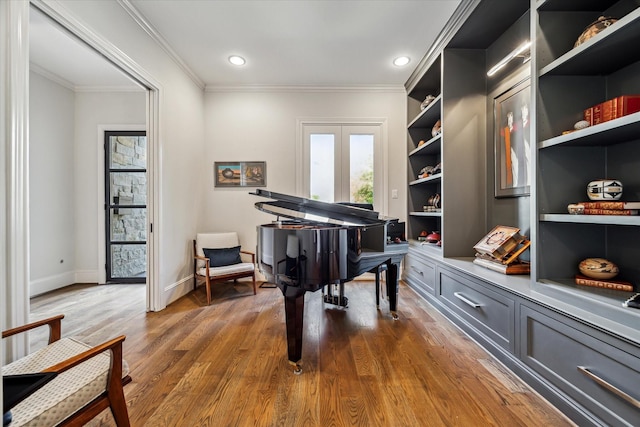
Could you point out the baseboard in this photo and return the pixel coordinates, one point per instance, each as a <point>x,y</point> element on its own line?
<point>51,283</point>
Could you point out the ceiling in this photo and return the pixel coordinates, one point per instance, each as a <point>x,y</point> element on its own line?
<point>320,43</point>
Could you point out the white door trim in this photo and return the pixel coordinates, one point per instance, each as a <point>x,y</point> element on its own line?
<point>153,89</point>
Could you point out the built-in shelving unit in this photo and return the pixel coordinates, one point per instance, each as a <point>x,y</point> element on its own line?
<point>576,345</point>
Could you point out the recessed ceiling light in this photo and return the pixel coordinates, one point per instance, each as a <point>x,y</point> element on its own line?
<point>401,61</point>
<point>237,60</point>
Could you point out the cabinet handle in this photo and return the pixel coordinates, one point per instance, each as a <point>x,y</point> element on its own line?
<point>466,300</point>
<point>419,271</point>
<point>613,389</point>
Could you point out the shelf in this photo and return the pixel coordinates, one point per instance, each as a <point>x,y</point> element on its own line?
<point>426,214</point>
<point>430,179</point>
<point>428,116</point>
<point>574,5</point>
<point>624,129</point>
<point>592,219</point>
<point>429,147</point>
<point>604,53</point>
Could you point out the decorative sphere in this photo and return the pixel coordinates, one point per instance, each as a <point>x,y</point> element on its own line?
<point>598,268</point>
<point>581,125</point>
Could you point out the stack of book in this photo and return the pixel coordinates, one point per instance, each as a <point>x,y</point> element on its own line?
<point>612,109</point>
<point>500,251</point>
<point>610,208</point>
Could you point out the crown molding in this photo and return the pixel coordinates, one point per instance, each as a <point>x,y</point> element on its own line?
<point>142,21</point>
<point>51,76</point>
<point>307,89</point>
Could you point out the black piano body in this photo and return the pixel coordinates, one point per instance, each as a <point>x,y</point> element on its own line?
<point>320,244</point>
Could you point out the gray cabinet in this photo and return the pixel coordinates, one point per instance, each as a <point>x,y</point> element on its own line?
<point>598,372</point>
<point>575,345</point>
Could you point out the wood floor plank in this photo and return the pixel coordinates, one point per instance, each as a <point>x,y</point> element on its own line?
<point>226,364</point>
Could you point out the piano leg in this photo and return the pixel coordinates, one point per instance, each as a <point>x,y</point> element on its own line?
<point>392,288</point>
<point>294,313</point>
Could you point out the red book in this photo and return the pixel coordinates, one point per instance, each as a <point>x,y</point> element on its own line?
<point>597,114</point>
<point>610,205</point>
<point>605,284</point>
<point>588,115</point>
<point>621,212</point>
<point>627,104</point>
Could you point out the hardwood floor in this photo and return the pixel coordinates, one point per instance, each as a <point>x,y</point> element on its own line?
<point>226,365</point>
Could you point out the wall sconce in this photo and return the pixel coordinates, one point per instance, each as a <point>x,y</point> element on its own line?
<point>521,51</point>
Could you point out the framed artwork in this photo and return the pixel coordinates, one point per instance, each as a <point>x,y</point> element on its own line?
<point>240,174</point>
<point>512,141</point>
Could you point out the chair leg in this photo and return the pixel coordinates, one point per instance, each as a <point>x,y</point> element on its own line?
<point>254,283</point>
<point>208,286</point>
<point>118,407</point>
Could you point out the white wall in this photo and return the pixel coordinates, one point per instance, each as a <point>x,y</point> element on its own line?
<point>51,185</point>
<point>96,112</point>
<point>261,126</point>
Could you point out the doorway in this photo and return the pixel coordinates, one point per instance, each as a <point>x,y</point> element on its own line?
<point>125,154</point>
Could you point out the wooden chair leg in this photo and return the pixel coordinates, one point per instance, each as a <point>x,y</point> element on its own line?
<point>254,283</point>
<point>208,286</point>
<point>118,406</point>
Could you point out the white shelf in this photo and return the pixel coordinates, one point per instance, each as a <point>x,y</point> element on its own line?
<point>592,219</point>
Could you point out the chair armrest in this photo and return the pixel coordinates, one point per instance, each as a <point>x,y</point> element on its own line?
<point>253,255</point>
<point>115,370</point>
<point>55,328</point>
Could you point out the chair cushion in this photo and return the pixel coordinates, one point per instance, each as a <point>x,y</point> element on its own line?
<point>66,393</point>
<point>244,267</point>
<point>219,257</point>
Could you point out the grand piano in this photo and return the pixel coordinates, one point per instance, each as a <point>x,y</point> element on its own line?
<point>312,245</point>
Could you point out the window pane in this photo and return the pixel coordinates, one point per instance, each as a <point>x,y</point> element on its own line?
<point>322,147</point>
<point>128,261</point>
<point>128,152</point>
<point>128,188</point>
<point>361,168</point>
<point>128,225</point>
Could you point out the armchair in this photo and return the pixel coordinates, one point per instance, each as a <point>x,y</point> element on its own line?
<point>218,258</point>
<point>89,380</point>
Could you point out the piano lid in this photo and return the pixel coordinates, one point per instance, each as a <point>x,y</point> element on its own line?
<point>299,208</point>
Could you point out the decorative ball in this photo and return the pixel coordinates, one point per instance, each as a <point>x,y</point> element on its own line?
<point>598,268</point>
<point>428,100</point>
<point>437,129</point>
<point>433,237</point>
<point>594,28</point>
<point>604,189</point>
<point>581,125</point>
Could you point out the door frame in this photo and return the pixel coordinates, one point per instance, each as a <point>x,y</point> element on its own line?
<point>301,161</point>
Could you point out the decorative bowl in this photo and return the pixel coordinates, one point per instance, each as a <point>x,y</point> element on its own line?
<point>433,237</point>
<point>594,28</point>
<point>598,268</point>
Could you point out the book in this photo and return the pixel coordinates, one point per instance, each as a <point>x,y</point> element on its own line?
<point>610,205</point>
<point>499,242</point>
<point>627,104</point>
<point>616,285</point>
<point>621,212</point>
<point>611,109</point>
<point>518,267</point>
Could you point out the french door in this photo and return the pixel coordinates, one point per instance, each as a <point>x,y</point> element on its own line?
<point>126,206</point>
<point>343,163</point>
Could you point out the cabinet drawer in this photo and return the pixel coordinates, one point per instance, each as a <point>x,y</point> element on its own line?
<point>420,273</point>
<point>601,376</point>
<point>491,313</point>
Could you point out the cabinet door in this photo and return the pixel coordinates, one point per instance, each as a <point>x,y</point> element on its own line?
<point>597,371</point>
<point>490,312</point>
<point>420,274</point>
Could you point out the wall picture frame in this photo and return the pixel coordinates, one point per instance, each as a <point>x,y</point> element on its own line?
<point>512,141</point>
<point>240,174</point>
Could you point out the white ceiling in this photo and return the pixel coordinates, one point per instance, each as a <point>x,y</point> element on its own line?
<point>337,43</point>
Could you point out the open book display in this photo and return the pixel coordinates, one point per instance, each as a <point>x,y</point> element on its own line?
<point>500,250</point>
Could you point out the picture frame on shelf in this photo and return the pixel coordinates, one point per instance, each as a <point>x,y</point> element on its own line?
<point>512,141</point>
<point>240,174</point>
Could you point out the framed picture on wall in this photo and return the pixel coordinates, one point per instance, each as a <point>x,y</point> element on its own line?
<point>240,174</point>
<point>512,141</point>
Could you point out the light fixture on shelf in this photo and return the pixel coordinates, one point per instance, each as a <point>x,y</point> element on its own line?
<point>522,50</point>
